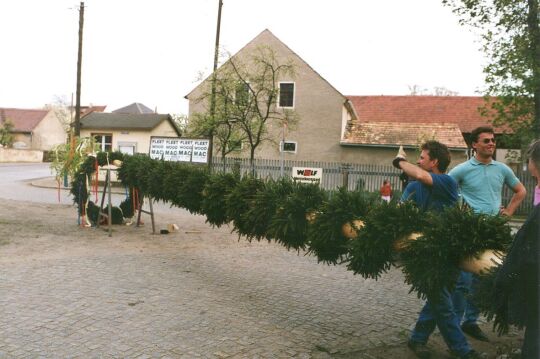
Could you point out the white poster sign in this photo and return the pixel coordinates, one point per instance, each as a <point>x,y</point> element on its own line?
<point>179,149</point>
<point>307,174</point>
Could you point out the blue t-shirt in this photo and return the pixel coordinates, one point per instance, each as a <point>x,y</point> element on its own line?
<point>441,194</point>
<point>481,184</point>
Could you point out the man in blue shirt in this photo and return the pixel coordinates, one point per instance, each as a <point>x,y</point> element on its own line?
<point>481,180</point>
<point>433,190</point>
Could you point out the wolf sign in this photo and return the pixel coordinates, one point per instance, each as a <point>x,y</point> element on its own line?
<point>307,174</point>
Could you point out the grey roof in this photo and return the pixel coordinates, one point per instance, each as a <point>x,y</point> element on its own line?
<point>134,108</point>
<point>101,120</point>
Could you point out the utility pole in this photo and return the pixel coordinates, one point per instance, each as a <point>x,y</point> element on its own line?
<point>77,125</point>
<point>213,95</point>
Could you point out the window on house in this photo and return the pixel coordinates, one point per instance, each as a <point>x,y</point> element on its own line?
<point>289,146</point>
<point>286,94</point>
<point>241,94</point>
<point>236,145</point>
<point>103,140</point>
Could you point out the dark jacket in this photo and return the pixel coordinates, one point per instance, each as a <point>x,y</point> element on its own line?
<point>516,283</point>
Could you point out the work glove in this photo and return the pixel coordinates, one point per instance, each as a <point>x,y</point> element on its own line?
<point>401,156</point>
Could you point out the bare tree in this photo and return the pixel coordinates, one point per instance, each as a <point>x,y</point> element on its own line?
<point>246,95</point>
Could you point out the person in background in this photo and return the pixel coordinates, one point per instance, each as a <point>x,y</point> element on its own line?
<point>386,191</point>
<point>516,283</point>
<point>481,180</point>
<point>433,190</point>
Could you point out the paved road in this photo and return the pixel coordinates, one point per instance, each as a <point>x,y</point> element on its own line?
<point>69,292</point>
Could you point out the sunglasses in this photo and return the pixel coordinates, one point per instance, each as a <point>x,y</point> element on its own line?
<point>488,140</point>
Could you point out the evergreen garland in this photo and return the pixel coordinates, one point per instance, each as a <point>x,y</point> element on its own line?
<point>289,225</point>
<point>264,206</point>
<point>372,252</point>
<point>325,235</point>
<point>214,194</point>
<point>240,201</point>
<point>431,263</point>
<point>189,193</point>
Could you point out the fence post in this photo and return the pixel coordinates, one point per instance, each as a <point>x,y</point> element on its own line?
<point>345,167</point>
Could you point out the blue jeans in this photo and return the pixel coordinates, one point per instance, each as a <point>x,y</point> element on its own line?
<point>466,311</point>
<point>442,315</point>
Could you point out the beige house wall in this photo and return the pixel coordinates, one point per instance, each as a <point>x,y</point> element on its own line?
<point>48,133</point>
<point>140,139</point>
<point>13,155</point>
<point>318,105</point>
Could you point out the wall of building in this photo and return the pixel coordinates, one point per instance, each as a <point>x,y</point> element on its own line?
<point>48,133</point>
<point>13,155</point>
<point>318,105</point>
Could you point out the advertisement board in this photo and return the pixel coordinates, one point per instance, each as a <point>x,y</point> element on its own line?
<point>307,174</point>
<point>179,149</point>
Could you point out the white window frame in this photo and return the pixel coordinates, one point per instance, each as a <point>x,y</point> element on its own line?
<point>281,146</point>
<point>102,143</point>
<point>279,94</point>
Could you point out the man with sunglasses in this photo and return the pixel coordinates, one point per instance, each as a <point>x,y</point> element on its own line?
<point>481,180</point>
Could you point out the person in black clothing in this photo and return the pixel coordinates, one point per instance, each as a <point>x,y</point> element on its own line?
<point>516,282</point>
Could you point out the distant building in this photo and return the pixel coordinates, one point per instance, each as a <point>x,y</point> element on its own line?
<point>34,129</point>
<point>127,132</point>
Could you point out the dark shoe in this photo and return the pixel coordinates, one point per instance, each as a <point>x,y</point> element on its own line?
<point>474,331</point>
<point>419,349</point>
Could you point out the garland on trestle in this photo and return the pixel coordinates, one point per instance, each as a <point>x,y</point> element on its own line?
<point>276,210</point>
<point>80,188</point>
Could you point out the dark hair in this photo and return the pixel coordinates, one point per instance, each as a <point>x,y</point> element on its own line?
<point>482,129</point>
<point>438,151</point>
<point>534,153</point>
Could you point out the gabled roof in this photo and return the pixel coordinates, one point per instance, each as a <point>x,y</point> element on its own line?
<point>263,38</point>
<point>23,120</point>
<point>460,110</point>
<point>123,121</point>
<point>134,108</point>
<point>394,134</point>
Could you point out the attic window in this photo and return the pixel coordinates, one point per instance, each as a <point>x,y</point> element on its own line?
<point>286,94</point>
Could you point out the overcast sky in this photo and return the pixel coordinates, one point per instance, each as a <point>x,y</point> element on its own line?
<point>151,51</point>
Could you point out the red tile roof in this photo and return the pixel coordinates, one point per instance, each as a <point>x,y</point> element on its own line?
<point>460,110</point>
<point>406,134</point>
<point>85,110</point>
<point>23,120</point>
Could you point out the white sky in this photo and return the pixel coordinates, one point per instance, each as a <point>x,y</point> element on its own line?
<point>151,51</point>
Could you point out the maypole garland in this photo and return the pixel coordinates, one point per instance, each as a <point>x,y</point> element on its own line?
<point>325,236</point>
<point>290,223</point>
<point>355,227</point>
<point>383,235</point>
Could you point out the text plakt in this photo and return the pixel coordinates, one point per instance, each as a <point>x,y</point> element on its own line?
<point>179,149</point>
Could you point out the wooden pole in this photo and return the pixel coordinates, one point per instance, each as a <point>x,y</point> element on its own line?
<point>77,125</point>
